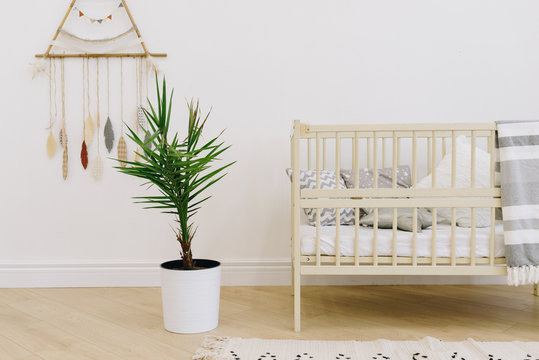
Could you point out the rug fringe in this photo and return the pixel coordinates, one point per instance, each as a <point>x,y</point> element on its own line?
<point>212,348</point>
<point>523,275</point>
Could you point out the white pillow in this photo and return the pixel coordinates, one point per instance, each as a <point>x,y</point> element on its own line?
<point>462,180</point>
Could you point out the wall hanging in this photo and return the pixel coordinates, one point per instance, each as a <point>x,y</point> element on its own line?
<point>91,31</point>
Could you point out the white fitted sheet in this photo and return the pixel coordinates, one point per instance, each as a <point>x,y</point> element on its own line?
<point>404,241</point>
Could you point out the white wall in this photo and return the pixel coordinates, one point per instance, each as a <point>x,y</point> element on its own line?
<point>260,64</point>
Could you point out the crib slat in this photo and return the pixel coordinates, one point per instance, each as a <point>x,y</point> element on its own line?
<point>394,238</point>
<point>414,159</point>
<point>453,159</point>
<point>369,141</point>
<point>433,160</point>
<point>472,239</point>
<point>318,161</point>
<point>317,236</point>
<point>453,230</point>
<point>375,160</point>
<point>433,240</point>
<point>492,233</point>
<point>323,153</point>
<point>356,236</point>
<point>338,236</point>
<point>309,154</point>
<point>429,155</point>
<point>384,152</point>
<point>375,238</point>
<point>414,237</point>
<point>355,159</point>
<point>337,159</point>
<point>472,163</point>
<point>394,163</point>
<point>399,151</point>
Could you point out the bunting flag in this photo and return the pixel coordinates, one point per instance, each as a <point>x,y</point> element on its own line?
<point>94,20</point>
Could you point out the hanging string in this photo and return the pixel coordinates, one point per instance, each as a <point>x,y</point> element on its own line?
<point>108,87</point>
<point>51,143</point>
<point>88,84</point>
<point>55,102</point>
<point>97,165</point>
<point>98,114</point>
<point>63,104</point>
<point>83,92</point>
<point>122,95</point>
<point>108,132</point>
<point>64,136</point>
<point>50,94</point>
<point>84,147</point>
<point>122,146</point>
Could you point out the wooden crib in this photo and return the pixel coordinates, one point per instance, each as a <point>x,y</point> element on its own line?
<point>376,146</point>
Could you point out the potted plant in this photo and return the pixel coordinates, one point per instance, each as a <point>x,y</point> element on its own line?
<point>182,171</point>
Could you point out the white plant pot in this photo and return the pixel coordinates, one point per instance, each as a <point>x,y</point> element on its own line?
<point>190,297</point>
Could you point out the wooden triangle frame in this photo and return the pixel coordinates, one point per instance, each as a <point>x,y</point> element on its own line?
<point>146,53</point>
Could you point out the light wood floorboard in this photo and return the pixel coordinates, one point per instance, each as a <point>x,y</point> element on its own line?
<point>126,323</point>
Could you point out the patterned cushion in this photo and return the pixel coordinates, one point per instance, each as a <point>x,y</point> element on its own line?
<point>328,217</point>
<point>385,177</point>
<point>385,180</point>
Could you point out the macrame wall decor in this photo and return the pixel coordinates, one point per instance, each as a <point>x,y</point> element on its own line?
<point>89,31</point>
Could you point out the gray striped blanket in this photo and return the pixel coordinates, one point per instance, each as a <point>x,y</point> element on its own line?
<point>518,157</point>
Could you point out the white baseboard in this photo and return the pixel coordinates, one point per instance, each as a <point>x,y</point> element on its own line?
<point>235,273</point>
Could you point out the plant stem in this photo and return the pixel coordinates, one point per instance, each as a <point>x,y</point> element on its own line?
<point>187,256</point>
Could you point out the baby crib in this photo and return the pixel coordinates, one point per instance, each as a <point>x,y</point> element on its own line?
<point>356,250</point>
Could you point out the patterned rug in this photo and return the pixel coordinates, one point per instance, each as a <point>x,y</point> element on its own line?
<point>224,348</point>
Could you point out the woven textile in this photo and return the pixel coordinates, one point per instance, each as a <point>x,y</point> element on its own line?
<point>223,348</point>
<point>518,147</point>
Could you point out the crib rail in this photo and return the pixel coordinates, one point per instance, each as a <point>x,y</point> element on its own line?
<point>377,146</point>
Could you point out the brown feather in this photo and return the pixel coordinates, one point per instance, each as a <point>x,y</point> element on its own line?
<point>84,155</point>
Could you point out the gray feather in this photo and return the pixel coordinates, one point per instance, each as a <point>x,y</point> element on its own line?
<point>108,132</point>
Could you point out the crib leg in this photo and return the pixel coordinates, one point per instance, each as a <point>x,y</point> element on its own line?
<point>293,275</point>
<point>535,290</point>
<point>297,300</point>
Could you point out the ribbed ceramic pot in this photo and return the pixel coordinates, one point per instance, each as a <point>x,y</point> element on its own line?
<point>190,297</point>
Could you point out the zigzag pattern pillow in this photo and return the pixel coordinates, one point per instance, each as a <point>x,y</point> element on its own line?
<point>328,216</point>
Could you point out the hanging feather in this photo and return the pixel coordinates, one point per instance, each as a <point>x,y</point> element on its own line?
<point>137,157</point>
<point>64,163</point>
<point>89,130</point>
<point>97,167</point>
<point>84,155</point>
<point>108,132</point>
<point>122,151</point>
<point>141,117</point>
<point>51,145</point>
<point>61,138</point>
<point>147,141</point>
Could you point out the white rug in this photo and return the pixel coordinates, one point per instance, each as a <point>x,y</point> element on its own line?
<point>223,348</point>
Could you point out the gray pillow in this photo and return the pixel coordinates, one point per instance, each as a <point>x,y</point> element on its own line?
<point>385,177</point>
<point>404,219</point>
<point>385,180</point>
<point>328,216</point>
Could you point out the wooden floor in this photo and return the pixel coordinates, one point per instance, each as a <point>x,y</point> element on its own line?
<point>126,323</point>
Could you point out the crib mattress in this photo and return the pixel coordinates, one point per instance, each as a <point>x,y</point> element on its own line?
<point>404,241</point>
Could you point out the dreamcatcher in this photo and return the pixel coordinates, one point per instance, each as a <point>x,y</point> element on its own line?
<point>111,38</point>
